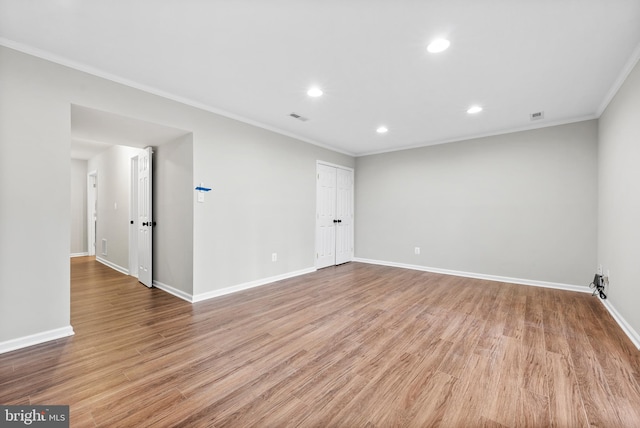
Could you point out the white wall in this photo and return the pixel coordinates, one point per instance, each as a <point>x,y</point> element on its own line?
<point>263,199</point>
<point>619,201</point>
<point>79,243</point>
<point>173,212</point>
<point>35,170</point>
<point>263,202</point>
<point>113,167</point>
<point>520,205</point>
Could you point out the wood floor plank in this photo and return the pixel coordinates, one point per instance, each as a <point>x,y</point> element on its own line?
<point>534,370</point>
<point>532,409</point>
<point>352,345</point>
<point>430,403</point>
<point>505,377</point>
<point>565,401</point>
<point>469,394</point>
<point>455,361</point>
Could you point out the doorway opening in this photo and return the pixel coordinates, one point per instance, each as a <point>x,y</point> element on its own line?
<point>113,147</point>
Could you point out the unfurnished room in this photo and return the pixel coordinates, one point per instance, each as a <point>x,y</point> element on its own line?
<point>320,213</point>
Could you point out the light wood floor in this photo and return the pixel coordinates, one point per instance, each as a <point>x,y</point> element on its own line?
<point>352,346</point>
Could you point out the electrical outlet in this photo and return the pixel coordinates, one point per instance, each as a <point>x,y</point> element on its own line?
<point>416,250</point>
<point>274,257</point>
<point>600,270</point>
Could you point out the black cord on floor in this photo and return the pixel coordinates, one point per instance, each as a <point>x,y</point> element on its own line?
<point>598,286</point>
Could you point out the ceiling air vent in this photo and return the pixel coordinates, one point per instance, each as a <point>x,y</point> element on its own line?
<point>537,115</point>
<point>297,116</point>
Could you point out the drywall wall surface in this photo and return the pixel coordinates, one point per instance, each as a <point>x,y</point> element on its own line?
<point>35,172</point>
<point>262,201</point>
<point>520,205</point>
<point>173,213</point>
<point>113,167</point>
<point>619,199</point>
<point>79,243</point>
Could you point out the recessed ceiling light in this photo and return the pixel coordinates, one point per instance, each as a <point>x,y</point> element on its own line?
<point>382,129</point>
<point>438,45</point>
<point>315,92</point>
<point>474,109</point>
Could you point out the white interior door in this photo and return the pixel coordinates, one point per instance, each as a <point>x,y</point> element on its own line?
<point>133,215</point>
<point>325,216</point>
<point>145,217</point>
<point>334,215</point>
<point>344,215</point>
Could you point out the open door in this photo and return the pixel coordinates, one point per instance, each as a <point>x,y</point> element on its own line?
<point>145,217</point>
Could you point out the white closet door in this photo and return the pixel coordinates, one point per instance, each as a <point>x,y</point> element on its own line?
<point>334,216</point>
<point>325,216</point>
<point>344,215</point>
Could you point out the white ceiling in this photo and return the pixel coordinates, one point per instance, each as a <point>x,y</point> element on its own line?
<point>254,60</point>
<point>93,131</point>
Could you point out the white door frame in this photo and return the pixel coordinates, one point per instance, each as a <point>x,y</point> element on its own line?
<point>92,211</point>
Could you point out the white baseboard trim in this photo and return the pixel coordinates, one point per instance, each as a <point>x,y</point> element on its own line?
<point>245,286</point>
<point>624,325</point>
<point>35,339</point>
<point>86,253</point>
<point>112,265</point>
<point>174,291</point>
<point>560,286</point>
